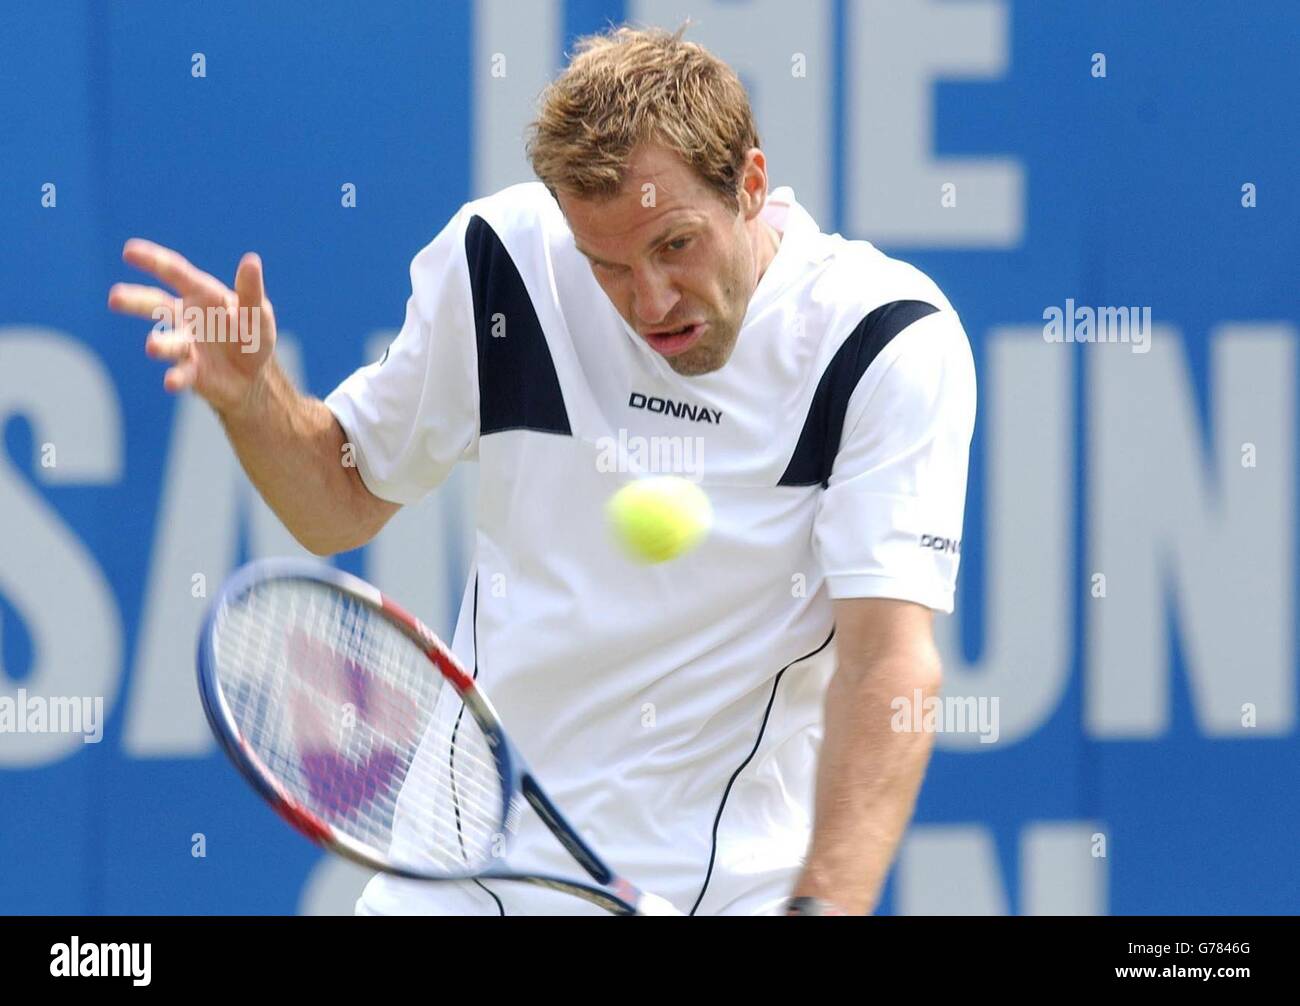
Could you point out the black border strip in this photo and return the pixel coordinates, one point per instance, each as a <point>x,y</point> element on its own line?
<point>823,428</point>
<point>518,385</point>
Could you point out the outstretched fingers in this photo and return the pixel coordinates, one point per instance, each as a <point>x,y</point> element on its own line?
<point>175,270</point>
<point>250,284</point>
<point>168,346</point>
<point>143,301</point>
<point>181,377</point>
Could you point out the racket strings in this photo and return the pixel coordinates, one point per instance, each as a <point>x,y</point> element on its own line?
<point>347,714</point>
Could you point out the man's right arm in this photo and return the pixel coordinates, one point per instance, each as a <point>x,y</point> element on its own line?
<point>290,444</point>
<point>295,452</point>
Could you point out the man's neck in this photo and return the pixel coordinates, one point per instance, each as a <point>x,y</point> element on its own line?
<point>769,240</point>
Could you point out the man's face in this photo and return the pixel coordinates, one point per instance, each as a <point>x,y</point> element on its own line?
<point>677,262</point>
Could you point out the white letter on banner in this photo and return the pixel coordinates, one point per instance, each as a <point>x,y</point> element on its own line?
<point>49,576</point>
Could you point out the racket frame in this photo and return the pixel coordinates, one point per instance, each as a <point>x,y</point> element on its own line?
<point>520,786</point>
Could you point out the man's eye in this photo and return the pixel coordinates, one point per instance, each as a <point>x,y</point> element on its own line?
<point>677,244</point>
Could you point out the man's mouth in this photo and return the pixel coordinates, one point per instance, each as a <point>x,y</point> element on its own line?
<point>672,341</point>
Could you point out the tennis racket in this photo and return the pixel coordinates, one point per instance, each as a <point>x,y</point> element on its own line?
<point>364,732</point>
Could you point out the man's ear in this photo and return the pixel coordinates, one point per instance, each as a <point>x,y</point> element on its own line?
<point>753,184</point>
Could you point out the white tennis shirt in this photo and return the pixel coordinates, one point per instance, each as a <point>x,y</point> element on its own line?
<point>674,711</point>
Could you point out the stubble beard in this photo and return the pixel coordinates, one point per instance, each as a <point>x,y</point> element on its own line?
<point>712,352</point>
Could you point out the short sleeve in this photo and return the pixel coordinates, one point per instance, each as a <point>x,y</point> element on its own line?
<point>413,414</point>
<point>889,522</point>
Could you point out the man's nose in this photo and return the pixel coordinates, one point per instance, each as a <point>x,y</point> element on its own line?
<point>653,297</point>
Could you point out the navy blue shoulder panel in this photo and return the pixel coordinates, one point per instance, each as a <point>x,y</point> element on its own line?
<point>819,441</point>
<point>517,385</point>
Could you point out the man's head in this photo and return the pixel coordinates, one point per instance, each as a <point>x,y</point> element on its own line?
<point>649,145</point>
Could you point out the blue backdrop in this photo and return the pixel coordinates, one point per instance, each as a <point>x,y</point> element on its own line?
<point>1128,590</point>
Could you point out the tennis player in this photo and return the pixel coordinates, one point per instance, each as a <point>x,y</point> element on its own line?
<point>719,725</point>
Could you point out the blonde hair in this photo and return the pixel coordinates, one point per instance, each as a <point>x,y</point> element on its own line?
<point>629,86</point>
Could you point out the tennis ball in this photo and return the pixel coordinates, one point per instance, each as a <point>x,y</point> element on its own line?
<point>659,518</point>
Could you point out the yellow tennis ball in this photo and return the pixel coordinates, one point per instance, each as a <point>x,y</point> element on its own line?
<point>660,518</point>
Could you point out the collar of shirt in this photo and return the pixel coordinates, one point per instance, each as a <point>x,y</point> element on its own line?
<point>797,248</point>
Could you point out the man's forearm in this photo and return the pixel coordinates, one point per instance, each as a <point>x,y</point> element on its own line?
<point>292,449</point>
<point>868,777</point>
